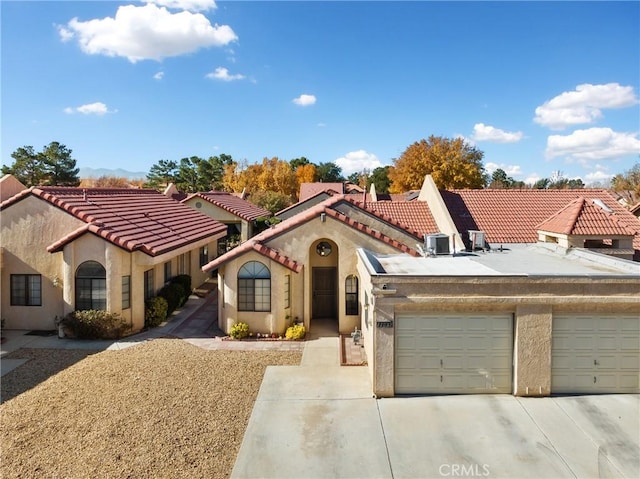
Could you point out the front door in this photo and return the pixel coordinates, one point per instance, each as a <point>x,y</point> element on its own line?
<point>324,293</point>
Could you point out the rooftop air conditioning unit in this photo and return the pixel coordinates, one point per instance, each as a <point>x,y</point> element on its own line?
<point>477,239</point>
<point>436,243</point>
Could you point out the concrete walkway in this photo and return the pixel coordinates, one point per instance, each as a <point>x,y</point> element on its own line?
<point>319,420</point>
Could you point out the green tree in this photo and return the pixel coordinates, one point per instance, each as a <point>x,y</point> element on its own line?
<point>53,166</point>
<point>451,162</point>
<point>296,162</point>
<point>27,167</point>
<point>270,200</point>
<point>329,173</point>
<point>380,178</point>
<point>60,168</point>
<point>162,173</point>
<point>542,184</point>
<point>500,180</point>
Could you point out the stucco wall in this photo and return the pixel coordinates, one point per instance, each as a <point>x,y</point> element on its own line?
<point>274,321</point>
<point>221,215</point>
<point>299,244</point>
<point>32,224</point>
<point>27,228</point>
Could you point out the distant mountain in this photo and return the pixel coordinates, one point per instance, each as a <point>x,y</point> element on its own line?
<point>118,173</point>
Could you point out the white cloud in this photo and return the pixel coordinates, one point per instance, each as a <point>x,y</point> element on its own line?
<point>356,161</point>
<point>222,73</point>
<point>511,170</point>
<point>158,76</point>
<point>482,132</point>
<point>148,32</point>
<point>598,176</point>
<point>97,108</point>
<point>191,5</point>
<point>593,144</point>
<point>583,105</point>
<point>305,100</point>
<point>532,178</point>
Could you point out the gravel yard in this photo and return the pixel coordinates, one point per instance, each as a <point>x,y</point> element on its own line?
<point>163,408</point>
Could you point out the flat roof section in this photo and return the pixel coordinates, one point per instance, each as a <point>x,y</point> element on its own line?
<point>539,259</point>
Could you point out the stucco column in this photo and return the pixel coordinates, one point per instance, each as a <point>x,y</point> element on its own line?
<point>383,350</point>
<point>68,273</point>
<point>532,350</point>
<point>114,279</point>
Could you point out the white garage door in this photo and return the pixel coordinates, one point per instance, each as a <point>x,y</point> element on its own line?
<point>453,354</point>
<point>595,354</point>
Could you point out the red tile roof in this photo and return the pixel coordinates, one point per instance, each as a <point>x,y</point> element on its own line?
<point>326,207</point>
<point>307,190</point>
<point>231,203</point>
<point>585,218</point>
<point>414,215</point>
<point>132,219</point>
<point>512,216</point>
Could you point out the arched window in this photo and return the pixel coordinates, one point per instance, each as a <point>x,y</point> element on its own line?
<point>254,287</point>
<point>91,286</point>
<point>351,295</point>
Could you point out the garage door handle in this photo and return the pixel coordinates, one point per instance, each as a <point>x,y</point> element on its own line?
<point>594,379</point>
<point>595,362</point>
<point>441,363</point>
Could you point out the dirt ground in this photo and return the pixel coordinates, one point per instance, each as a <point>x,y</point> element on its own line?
<point>163,408</point>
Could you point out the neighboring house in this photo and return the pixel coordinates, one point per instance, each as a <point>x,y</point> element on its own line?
<point>305,204</point>
<point>307,190</point>
<point>503,295</point>
<point>65,249</point>
<point>10,186</point>
<point>513,216</point>
<point>305,267</point>
<point>238,214</point>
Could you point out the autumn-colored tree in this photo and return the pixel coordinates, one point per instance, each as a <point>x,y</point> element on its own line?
<point>277,176</point>
<point>628,183</point>
<point>106,181</point>
<point>305,174</point>
<point>451,162</point>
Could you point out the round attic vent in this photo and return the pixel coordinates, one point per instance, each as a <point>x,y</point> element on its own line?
<point>323,248</point>
<point>198,204</point>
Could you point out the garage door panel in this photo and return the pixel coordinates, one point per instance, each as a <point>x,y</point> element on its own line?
<point>602,359</point>
<point>466,354</point>
<point>629,362</point>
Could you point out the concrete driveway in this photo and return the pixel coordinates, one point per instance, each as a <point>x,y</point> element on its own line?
<point>319,420</point>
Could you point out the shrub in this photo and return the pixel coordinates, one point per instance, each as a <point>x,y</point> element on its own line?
<point>239,331</point>
<point>183,280</point>
<point>296,331</point>
<point>173,293</point>
<point>155,311</point>
<point>95,324</point>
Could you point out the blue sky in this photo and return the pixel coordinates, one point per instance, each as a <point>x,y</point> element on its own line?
<point>538,87</point>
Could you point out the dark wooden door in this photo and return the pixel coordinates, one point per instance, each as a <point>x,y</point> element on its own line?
<point>324,293</point>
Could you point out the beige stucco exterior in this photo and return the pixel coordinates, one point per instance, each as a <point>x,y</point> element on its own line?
<point>221,215</point>
<point>533,302</point>
<point>298,244</point>
<point>29,226</point>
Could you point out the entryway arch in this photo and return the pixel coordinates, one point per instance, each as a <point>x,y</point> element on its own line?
<point>324,260</point>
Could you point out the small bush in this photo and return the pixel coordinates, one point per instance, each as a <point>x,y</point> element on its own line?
<point>174,294</point>
<point>155,311</point>
<point>95,324</point>
<point>239,331</point>
<point>183,280</point>
<point>296,331</point>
